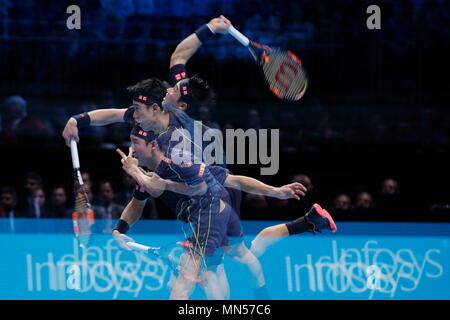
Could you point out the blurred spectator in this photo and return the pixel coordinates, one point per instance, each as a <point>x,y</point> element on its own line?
<point>58,202</point>
<point>126,192</point>
<point>389,199</point>
<point>27,200</point>
<point>8,204</point>
<point>88,186</point>
<point>364,208</point>
<point>39,208</point>
<point>89,193</point>
<point>17,123</point>
<point>389,186</point>
<point>364,200</point>
<point>33,181</point>
<point>86,176</point>
<point>342,202</point>
<point>106,208</point>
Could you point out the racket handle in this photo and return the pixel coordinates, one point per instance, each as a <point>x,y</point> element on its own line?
<point>138,247</point>
<point>74,152</point>
<point>75,159</point>
<point>238,36</point>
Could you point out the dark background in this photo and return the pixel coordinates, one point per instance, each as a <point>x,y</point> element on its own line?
<point>376,108</point>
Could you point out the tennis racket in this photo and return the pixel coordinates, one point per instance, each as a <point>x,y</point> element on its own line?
<point>169,254</point>
<point>282,70</point>
<point>83,216</point>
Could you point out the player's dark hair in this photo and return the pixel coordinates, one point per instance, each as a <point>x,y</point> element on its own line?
<point>202,93</point>
<point>150,87</point>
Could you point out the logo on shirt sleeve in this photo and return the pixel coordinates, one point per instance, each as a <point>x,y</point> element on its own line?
<point>201,170</point>
<point>140,189</point>
<point>187,164</point>
<point>180,76</point>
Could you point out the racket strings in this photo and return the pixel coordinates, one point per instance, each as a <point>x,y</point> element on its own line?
<point>81,203</point>
<point>83,216</point>
<point>271,66</point>
<point>297,85</point>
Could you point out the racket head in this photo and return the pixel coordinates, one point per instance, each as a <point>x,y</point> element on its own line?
<point>83,216</point>
<point>282,70</point>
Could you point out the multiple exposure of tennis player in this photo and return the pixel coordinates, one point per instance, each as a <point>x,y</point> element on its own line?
<point>163,161</point>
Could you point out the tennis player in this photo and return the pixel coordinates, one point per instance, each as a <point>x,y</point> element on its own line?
<point>164,118</point>
<point>203,184</point>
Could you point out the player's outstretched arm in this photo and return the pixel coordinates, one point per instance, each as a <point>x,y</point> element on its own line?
<point>251,185</point>
<point>187,48</point>
<point>152,182</point>
<point>99,117</point>
<point>183,188</point>
<point>133,211</point>
<point>177,187</point>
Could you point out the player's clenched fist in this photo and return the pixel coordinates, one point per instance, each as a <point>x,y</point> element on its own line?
<point>70,130</point>
<point>219,25</point>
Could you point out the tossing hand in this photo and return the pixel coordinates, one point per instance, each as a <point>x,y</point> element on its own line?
<point>291,191</point>
<point>129,163</point>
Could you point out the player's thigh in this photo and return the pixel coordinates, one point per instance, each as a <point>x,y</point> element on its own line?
<point>185,283</point>
<point>209,233</point>
<point>213,286</point>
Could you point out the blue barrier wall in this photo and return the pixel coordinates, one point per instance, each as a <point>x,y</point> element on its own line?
<point>413,261</point>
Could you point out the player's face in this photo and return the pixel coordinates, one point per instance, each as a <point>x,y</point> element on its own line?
<point>142,151</point>
<point>172,98</point>
<point>144,116</point>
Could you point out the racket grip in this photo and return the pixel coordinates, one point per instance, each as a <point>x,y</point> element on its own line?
<point>138,247</point>
<point>238,36</point>
<point>74,152</point>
